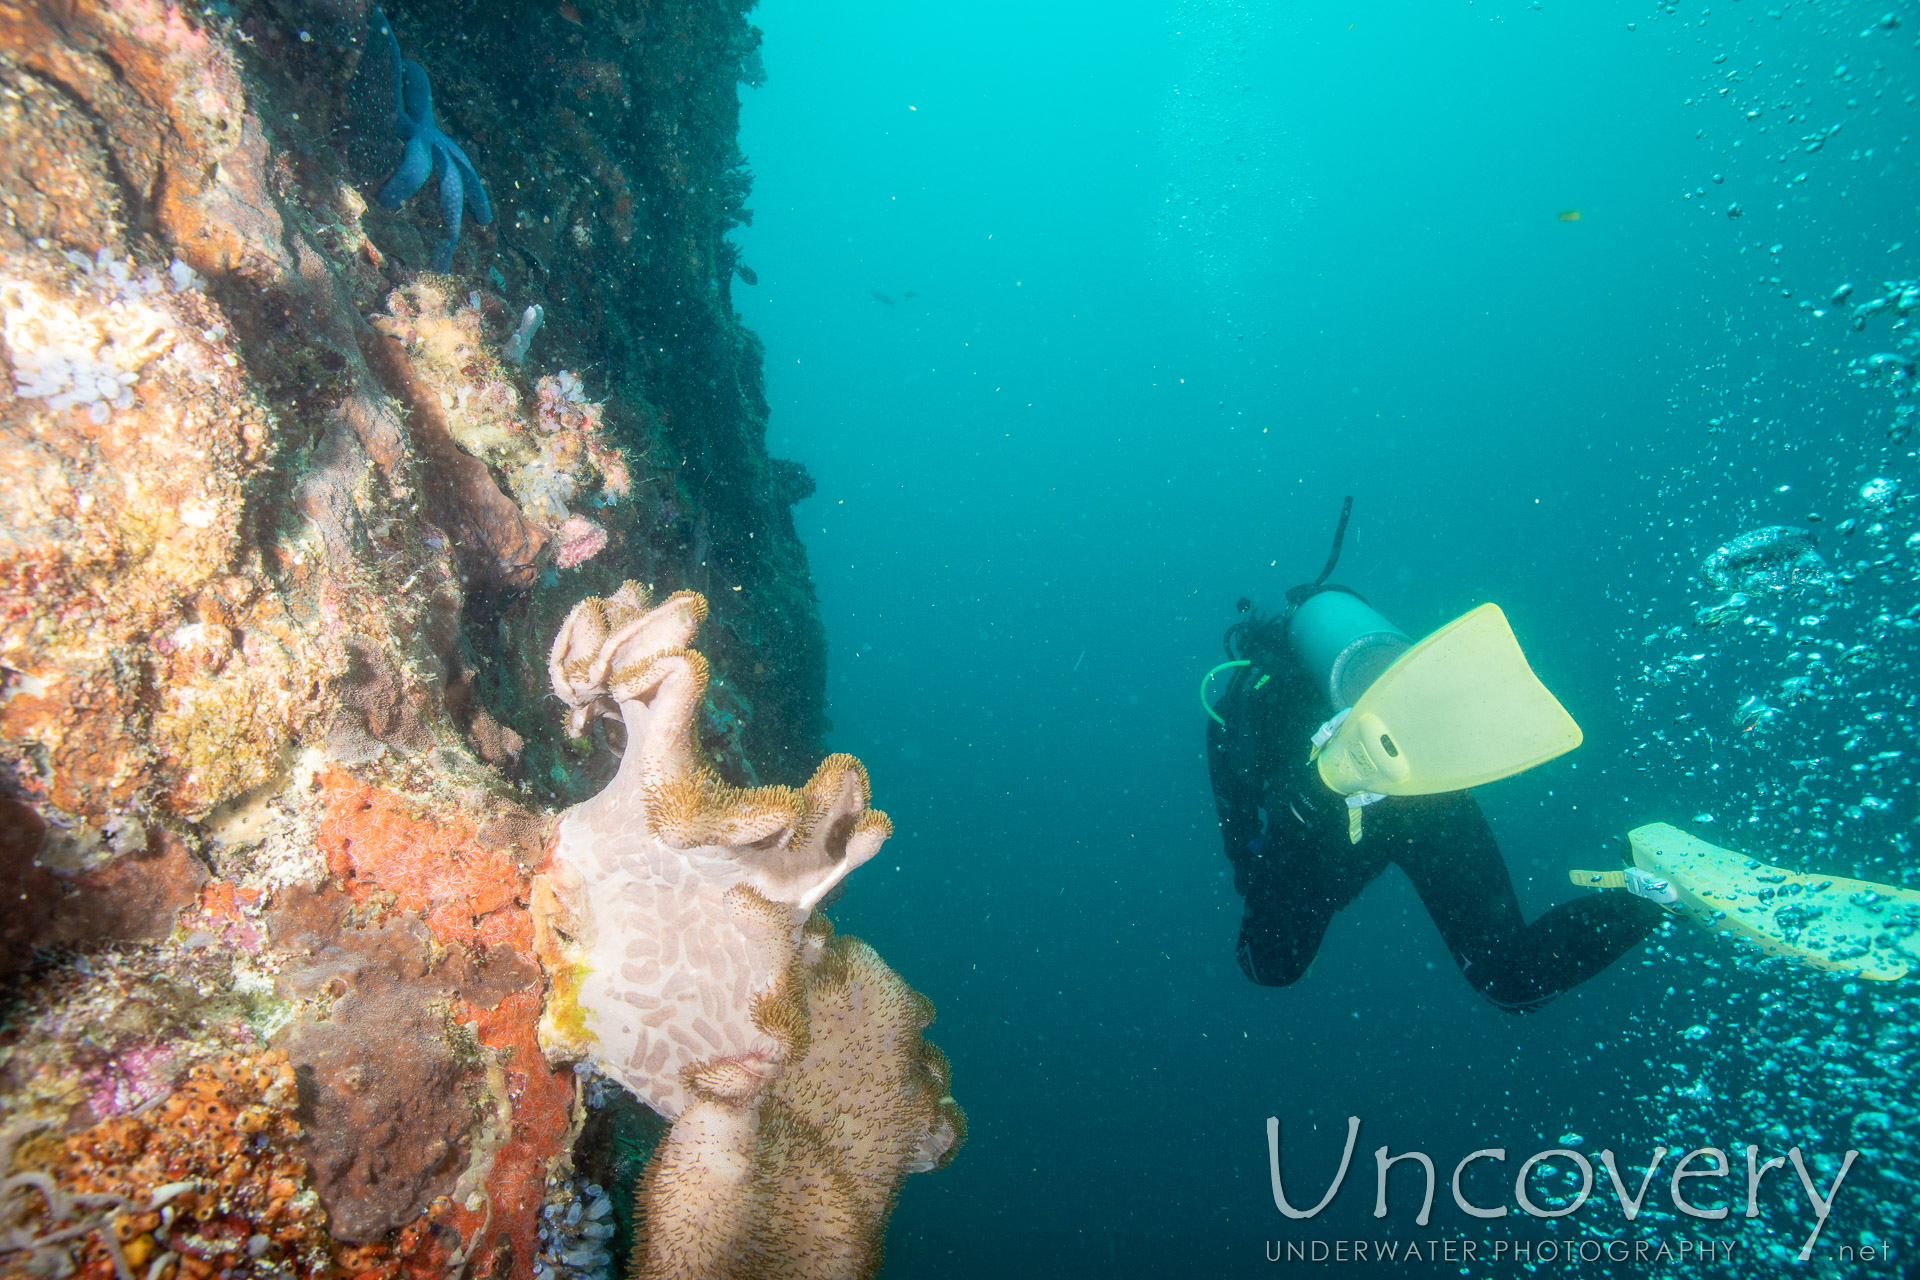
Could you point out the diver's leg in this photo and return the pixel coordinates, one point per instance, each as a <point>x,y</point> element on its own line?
<point>1564,947</point>
<point>1292,893</point>
<point>1456,867</point>
<point>1280,932</point>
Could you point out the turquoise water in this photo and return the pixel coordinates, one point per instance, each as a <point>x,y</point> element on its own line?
<point>1086,316</point>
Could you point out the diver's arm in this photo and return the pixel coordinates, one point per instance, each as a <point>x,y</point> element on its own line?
<point>1236,781</point>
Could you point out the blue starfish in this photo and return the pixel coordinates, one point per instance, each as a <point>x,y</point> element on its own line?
<point>428,149</point>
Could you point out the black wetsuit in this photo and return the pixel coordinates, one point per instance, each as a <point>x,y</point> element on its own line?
<point>1286,835</point>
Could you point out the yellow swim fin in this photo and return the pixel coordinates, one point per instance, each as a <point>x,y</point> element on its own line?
<point>1855,927</point>
<point>1460,709</point>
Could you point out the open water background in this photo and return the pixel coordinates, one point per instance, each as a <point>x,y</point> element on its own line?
<point>1086,315</point>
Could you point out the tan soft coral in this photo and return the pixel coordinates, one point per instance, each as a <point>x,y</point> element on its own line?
<point>803,1173</point>
<point>678,923</point>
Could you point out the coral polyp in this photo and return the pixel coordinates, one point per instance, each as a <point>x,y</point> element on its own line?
<point>204,1183</point>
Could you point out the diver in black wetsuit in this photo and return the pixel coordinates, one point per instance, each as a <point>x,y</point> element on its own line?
<point>1287,836</point>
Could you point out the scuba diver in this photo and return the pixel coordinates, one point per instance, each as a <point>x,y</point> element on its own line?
<point>1412,728</point>
<point>1301,850</point>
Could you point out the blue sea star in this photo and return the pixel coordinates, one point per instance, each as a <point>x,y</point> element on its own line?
<point>428,149</point>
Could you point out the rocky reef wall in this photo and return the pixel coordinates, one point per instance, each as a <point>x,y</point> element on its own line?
<point>288,521</point>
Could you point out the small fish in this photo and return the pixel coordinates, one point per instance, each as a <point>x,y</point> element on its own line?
<point>1754,715</point>
<point>746,273</point>
<point>1569,215</point>
<point>883,298</point>
<point>1713,615</point>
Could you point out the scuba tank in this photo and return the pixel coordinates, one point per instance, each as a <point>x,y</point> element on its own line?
<point>1342,643</point>
<point>1457,710</point>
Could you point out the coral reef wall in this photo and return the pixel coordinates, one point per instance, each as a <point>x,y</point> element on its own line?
<point>610,144</point>
<point>288,520</point>
<point>607,135</point>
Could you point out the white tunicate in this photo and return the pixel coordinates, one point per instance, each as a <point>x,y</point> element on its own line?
<point>517,345</point>
<point>184,277</point>
<point>86,347</point>
<point>67,377</point>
